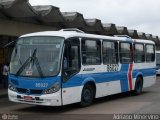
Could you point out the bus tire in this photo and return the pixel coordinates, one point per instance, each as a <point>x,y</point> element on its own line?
<point>87,95</point>
<point>138,86</point>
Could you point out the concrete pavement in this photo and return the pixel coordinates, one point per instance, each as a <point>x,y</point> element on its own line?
<point>3,92</point>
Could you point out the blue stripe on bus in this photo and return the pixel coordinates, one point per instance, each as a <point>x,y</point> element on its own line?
<point>124,77</point>
<point>30,83</point>
<point>77,80</point>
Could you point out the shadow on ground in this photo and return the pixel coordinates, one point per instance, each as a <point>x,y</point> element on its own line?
<point>72,107</point>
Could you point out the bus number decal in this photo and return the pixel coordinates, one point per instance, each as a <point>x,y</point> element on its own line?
<point>112,67</point>
<point>41,85</point>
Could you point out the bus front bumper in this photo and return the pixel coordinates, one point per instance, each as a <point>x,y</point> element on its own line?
<point>46,100</point>
<point>158,72</point>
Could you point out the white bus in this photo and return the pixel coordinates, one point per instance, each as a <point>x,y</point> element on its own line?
<point>56,68</point>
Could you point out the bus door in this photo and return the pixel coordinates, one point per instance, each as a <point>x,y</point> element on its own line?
<point>126,60</point>
<point>70,69</point>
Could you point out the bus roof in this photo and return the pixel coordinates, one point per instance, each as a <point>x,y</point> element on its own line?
<point>69,34</point>
<point>144,41</point>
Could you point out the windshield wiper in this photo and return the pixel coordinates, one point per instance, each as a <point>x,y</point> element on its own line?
<point>34,60</point>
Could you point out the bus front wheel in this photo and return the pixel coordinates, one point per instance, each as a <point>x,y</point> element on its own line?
<point>87,95</point>
<point>138,86</point>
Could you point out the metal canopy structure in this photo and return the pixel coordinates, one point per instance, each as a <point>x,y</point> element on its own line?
<point>48,15</point>
<point>156,39</point>
<point>21,10</point>
<point>149,36</point>
<point>110,29</point>
<point>94,26</point>
<point>122,30</point>
<point>73,20</point>
<point>133,34</point>
<point>142,35</point>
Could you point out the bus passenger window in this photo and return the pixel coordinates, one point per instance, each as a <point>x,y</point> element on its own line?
<point>125,52</point>
<point>91,52</point>
<point>150,54</point>
<point>110,52</point>
<point>139,55</point>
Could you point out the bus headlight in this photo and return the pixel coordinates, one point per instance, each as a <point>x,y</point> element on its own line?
<point>12,88</point>
<point>53,89</point>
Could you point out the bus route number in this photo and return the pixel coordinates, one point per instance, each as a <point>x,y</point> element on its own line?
<point>112,67</point>
<point>41,84</point>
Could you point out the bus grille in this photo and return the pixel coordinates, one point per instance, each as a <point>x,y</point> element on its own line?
<point>29,91</point>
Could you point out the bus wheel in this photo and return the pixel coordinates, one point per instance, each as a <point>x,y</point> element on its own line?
<point>138,86</point>
<point>87,95</point>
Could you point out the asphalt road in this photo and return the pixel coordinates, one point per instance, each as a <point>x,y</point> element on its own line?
<point>103,108</point>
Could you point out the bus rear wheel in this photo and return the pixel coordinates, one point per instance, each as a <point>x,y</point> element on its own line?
<point>138,86</point>
<point>87,95</point>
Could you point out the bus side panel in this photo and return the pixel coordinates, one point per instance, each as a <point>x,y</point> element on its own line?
<point>147,71</point>
<point>71,95</point>
<point>71,90</point>
<point>108,79</point>
<point>149,81</point>
<point>108,88</point>
<point>107,83</point>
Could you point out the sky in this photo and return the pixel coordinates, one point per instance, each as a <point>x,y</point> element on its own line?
<point>141,15</point>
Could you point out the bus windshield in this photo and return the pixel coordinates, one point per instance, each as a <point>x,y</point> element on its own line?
<point>36,56</point>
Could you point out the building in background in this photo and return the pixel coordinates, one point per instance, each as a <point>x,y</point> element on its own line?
<point>18,17</point>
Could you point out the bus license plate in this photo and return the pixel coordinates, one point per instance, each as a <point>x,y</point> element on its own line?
<point>28,98</point>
